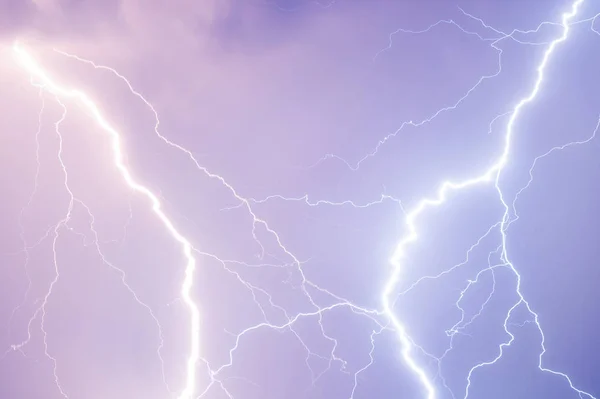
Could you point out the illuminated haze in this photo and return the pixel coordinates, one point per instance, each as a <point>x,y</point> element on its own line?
<point>298,200</point>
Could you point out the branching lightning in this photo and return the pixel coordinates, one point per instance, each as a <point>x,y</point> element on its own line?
<point>493,173</point>
<point>190,390</point>
<point>36,71</point>
<point>384,318</point>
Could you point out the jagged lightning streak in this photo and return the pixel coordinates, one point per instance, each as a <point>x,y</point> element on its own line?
<point>494,41</point>
<point>491,174</point>
<point>256,221</point>
<point>62,223</point>
<point>35,70</point>
<point>411,220</point>
<point>246,203</point>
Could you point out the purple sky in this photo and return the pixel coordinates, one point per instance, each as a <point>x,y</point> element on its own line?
<point>294,211</point>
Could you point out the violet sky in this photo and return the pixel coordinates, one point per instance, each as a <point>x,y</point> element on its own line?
<point>295,209</point>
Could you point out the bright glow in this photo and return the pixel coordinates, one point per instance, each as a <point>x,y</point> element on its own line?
<point>491,174</point>
<point>36,71</point>
<point>389,292</point>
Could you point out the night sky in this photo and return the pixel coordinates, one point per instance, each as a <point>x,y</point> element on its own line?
<point>280,169</point>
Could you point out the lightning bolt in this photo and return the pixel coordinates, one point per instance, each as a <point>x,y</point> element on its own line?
<point>61,224</point>
<point>493,43</point>
<point>30,65</point>
<point>492,174</point>
<point>35,70</point>
<point>384,318</point>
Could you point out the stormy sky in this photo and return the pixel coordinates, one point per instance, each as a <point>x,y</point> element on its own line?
<point>290,143</point>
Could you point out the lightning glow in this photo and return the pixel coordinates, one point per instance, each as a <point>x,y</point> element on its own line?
<point>274,315</point>
<point>30,65</point>
<point>36,71</point>
<point>491,174</point>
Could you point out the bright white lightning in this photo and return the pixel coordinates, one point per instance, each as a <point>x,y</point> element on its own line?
<point>36,71</point>
<point>246,203</point>
<point>407,344</point>
<point>491,174</point>
<point>500,36</point>
<point>318,312</point>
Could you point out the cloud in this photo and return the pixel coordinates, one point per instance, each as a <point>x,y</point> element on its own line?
<point>252,26</point>
<point>15,15</point>
<point>227,25</point>
<point>177,49</point>
<point>50,19</point>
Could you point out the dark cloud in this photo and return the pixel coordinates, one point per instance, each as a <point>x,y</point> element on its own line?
<point>229,25</point>
<point>251,25</point>
<point>45,19</point>
<point>15,15</point>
